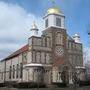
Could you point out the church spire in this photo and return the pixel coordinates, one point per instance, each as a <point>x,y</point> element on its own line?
<point>34,29</point>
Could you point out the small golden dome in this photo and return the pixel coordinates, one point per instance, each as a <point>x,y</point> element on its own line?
<point>34,26</point>
<point>76,35</point>
<point>53,10</point>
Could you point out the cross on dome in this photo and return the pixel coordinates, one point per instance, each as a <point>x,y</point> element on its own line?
<point>53,9</point>
<point>34,26</point>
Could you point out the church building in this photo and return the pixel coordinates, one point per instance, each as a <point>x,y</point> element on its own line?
<point>54,57</point>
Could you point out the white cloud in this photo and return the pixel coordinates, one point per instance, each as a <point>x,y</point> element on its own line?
<point>15,24</point>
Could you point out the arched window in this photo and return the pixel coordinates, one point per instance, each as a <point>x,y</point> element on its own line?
<point>24,57</point>
<point>34,56</point>
<point>42,57</point>
<point>48,42</point>
<point>21,70</point>
<point>38,57</point>
<point>47,58</point>
<point>59,38</point>
<point>43,41</point>
<point>10,71</point>
<point>17,71</point>
<point>13,71</point>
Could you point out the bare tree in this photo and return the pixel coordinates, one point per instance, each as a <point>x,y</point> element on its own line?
<point>87,66</point>
<point>87,63</point>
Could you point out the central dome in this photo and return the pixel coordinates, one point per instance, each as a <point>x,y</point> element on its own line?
<point>53,10</point>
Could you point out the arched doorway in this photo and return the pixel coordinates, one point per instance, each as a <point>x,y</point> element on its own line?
<point>65,74</point>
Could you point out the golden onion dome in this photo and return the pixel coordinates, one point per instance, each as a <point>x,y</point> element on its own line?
<point>53,10</point>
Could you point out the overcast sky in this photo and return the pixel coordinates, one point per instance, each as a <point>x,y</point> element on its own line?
<point>16,17</point>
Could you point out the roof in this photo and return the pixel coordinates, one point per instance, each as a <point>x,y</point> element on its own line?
<point>70,38</point>
<point>21,50</point>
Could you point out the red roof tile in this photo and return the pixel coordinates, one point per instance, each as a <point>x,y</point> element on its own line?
<point>21,50</point>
